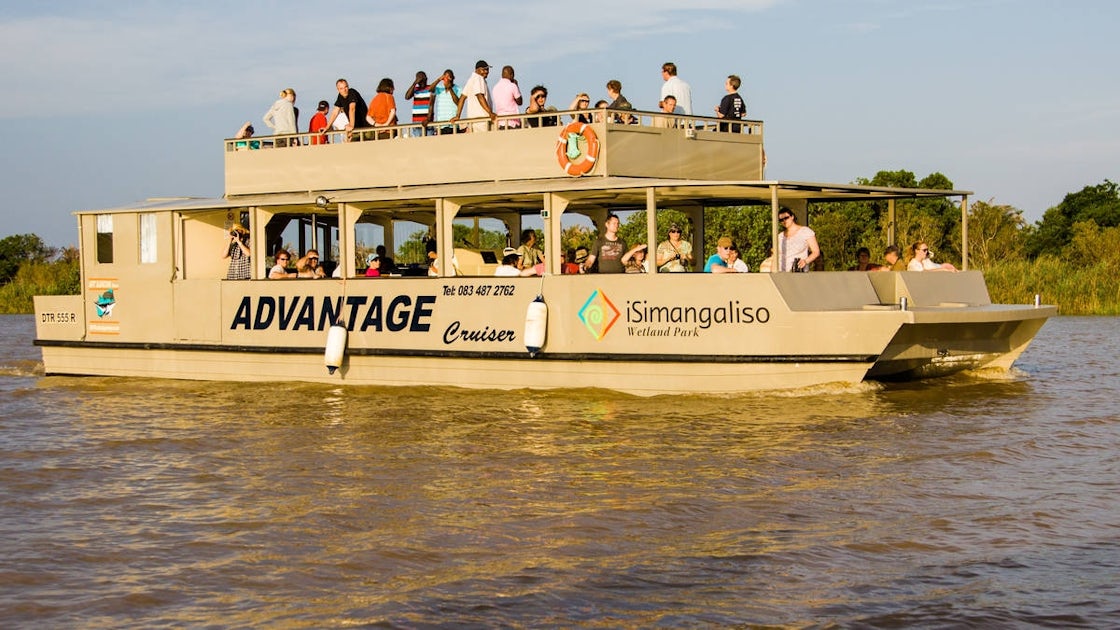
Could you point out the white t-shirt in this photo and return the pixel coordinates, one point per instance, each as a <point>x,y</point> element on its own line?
<point>924,265</point>
<point>681,91</point>
<point>507,271</point>
<point>475,85</point>
<point>793,248</point>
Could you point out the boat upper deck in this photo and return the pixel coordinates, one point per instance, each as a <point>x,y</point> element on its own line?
<point>630,144</point>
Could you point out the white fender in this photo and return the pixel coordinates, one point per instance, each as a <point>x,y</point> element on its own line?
<point>536,325</point>
<point>336,348</point>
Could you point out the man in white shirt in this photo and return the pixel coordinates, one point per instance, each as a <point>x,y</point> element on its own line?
<point>676,87</point>
<point>476,98</point>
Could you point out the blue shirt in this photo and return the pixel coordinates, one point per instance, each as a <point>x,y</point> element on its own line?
<point>443,106</point>
<point>714,261</point>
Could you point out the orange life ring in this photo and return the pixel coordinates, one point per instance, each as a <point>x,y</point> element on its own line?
<point>585,147</point>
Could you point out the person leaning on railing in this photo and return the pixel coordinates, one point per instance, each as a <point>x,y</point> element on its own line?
<point>537,99</point>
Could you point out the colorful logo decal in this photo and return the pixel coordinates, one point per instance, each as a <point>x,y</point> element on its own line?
<point>598,314</point>
<point>105,303</point>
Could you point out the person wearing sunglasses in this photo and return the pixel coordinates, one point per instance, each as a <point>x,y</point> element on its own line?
<point>797,245</point>
<point>920,259</point>
<point>538,98</point>
<point>280,271</point>
<point>674,255</point>
<point>581,102</point>
<point>308,266</point>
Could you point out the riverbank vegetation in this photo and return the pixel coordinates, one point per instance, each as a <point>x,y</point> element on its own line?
<point>1071,257</point>
<point>28,267</point>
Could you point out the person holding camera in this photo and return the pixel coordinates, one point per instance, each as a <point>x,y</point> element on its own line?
<point>675,254</point>
<point>797,245</point>
<point>237,251</point>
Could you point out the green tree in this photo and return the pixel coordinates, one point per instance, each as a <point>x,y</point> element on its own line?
<point>747,226</point>
<point>17,249</point>
<point>994,233</point>
<point>1100,204</point>
<point>575,236</point>
<point>1091,246</point>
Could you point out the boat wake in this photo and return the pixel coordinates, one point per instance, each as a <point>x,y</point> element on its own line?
<point>22,369</point>
<point>1011,374</point>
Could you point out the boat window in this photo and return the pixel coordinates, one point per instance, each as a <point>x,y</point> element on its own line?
<point>104,238</point>
<point>299,232</point>
<point>147,237</point>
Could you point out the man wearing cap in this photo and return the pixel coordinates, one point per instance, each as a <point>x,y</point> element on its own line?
<point>476,98</point>
<point>717,262</point>
<point>508,268</point>
<point>319,123</point>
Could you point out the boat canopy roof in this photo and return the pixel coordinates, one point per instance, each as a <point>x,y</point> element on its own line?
<point>526,195</point>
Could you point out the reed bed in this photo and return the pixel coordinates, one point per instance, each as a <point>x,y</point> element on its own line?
<point>1076,290</point>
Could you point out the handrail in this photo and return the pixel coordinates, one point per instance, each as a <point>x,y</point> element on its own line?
<point>613,117</point>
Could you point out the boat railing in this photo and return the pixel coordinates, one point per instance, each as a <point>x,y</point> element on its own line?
<point>516,122</point>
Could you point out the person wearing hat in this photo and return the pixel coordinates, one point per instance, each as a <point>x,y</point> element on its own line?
<point>674,254</point>
<point>476,99</point>
<point>508,268</point>
<point>238,253</point>
<point>717,262</point>
<point>580,258</point>
<point>319,123</point>
<point>373,266</point>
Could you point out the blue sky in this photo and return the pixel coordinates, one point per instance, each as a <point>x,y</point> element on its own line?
<point>107,103</point>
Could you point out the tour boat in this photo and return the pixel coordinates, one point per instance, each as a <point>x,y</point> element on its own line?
<point>155,302</point>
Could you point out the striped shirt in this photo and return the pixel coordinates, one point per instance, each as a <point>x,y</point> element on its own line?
<point>421,103</point>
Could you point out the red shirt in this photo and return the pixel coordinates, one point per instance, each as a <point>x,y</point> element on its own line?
<point>318,123</point>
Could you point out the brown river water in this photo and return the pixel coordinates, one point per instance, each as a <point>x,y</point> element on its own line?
<point>989,500</point>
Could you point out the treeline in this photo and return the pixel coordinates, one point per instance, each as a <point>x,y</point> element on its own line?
<point>28,267</point>
<point>1071,256</point>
